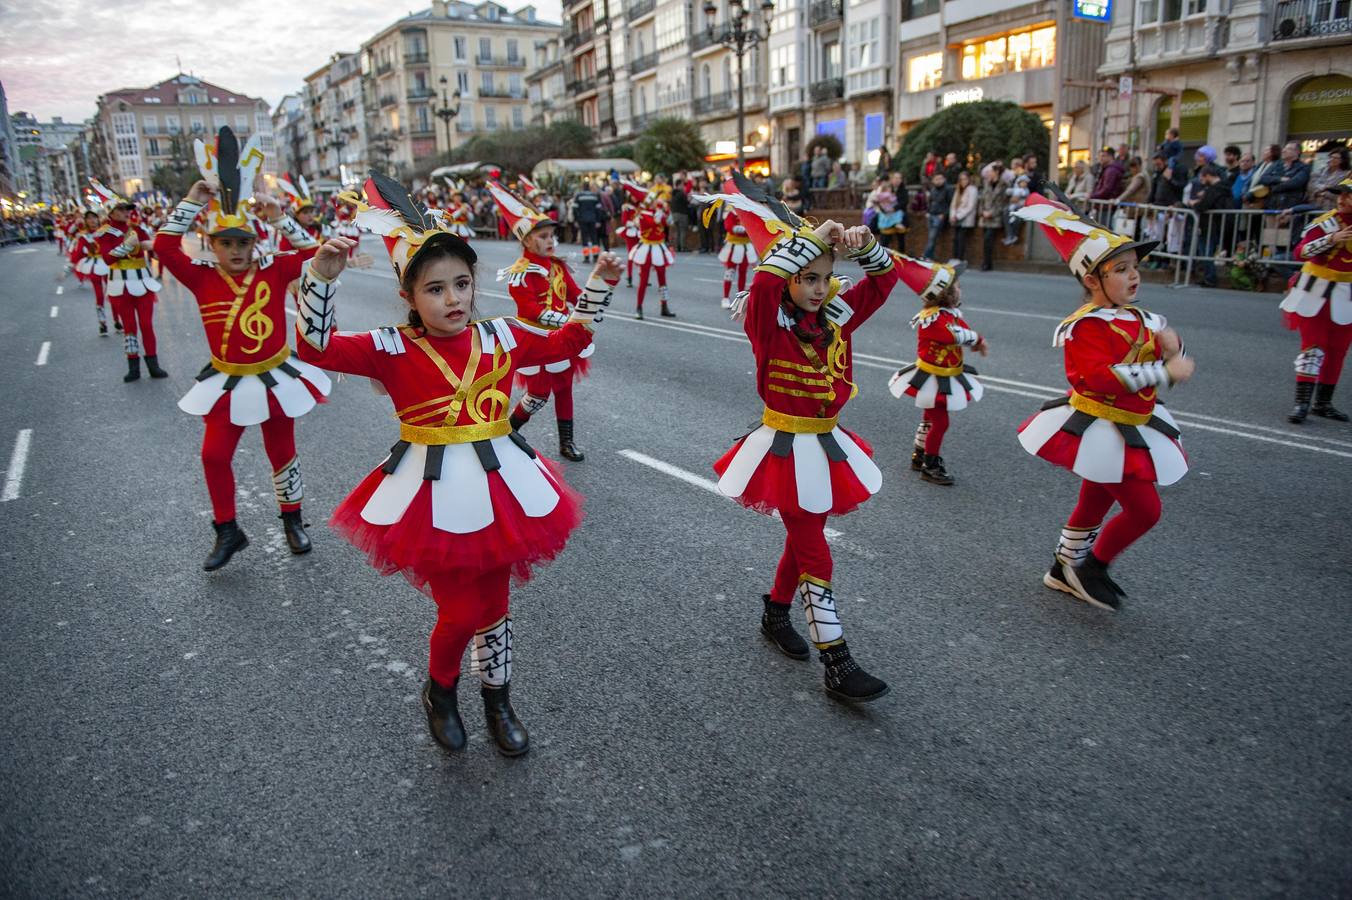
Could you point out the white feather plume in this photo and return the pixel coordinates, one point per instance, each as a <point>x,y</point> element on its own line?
<point>379,221</point>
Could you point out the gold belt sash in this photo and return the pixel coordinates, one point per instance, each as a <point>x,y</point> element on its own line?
<point>797,424</point>
<point>454,434</point>
<point>1104,411</point>
<point>129,264</point>
<point>257,368</point>
<point>931,368</point>
<point>1325,272</point>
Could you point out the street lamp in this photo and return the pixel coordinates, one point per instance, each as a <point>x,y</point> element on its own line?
<point>449,109</point>
<point>738,38</point>
<point>337,143</point>
<point>382,144</point>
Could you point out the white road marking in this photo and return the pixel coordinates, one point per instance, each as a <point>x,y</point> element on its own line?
<point>55,310</point>
<point>17,461</point>
<point>42,353</point>
<point>667,468</point>
<point>60,289</point>
<point>709,280</point>
<point>24,250</point>
<point>1010,312</point>
<point>1036,391</point>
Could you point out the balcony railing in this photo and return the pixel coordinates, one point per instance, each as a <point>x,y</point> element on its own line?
<point>418,129</point>
<point>580,86</point>
<point>1310,18</point>
<point>581,36</point>
<point>827,89</point>
<point>714,103</point>
<point>501,62</point>
<point>639,8</point>
<point>415,58</point>
<point>643,63</point>
<point>825,11</point>
<point>417,93</point>
<point>638,123</point>
<point>464,127</point>
<point>702,39</point>
<point>384,69</point>
<point>503,92</point>
<point>388,100</point>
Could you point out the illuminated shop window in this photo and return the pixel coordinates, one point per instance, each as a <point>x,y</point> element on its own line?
<point>1017,51</point>
<point>925,72</point>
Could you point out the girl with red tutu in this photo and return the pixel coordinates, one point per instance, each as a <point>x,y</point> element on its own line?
<point>544,292</point>
<point>938,379</point>
<point>800,463</point>
<point>629,232</point>
<point>737,255</point>
<point>1109,429</point>
<point>651,252</point>
<point>462,504</point>
<point>89,266</point>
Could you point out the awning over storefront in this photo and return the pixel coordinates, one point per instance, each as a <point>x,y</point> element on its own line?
<point>582,168</point>
<point>1320,108</point>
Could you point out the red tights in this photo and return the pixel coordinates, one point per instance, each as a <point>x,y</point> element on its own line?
<point>558,384</point>
<point>1140,504</point>
<point>643,279</point>
<point>464,605</point>
<point>218,448</point>
<point>805,553</point>
<point>629,244</point>
<point>1319,331</point>
<point>934,438</point>
<point>727,278</point>
<point>137,315</point>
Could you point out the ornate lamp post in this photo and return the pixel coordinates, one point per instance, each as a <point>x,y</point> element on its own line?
<point>449,109</point>
<point>383,144</point>
<point>336,143</point>
<point>739,37</point>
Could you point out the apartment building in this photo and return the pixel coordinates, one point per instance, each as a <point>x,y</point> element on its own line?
<point>1249,72</point>
<point>336,119</point>
<point>291,133</point>
<point>589,70</point>
<point>964,50</point>
<point>546,84</point>
<point>413,68</point>
<point>140,129</point>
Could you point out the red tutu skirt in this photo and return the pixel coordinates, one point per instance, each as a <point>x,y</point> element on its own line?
<point>1061,450</point>
<point>418,551</point>
<point>774,486</point>
<point>578,369</point>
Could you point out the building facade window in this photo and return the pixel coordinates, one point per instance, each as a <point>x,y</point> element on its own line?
<point>925,72</point>
<point>485,48</point>
<point>513,49</point>
<point>1017,51</point>
<point>461,49</point>
<point>784,66</point>
<point>671,29</point>
<point>171,124</point>
<point>149,125</point>
<point>462,81</point>
<point>831,60</point>
<point>197,124</point>
<point>518,117</point>
<point>490,117</point>
<point>914,9</point>
<point>124,123</point>
<point>864,42</point>
<point>486,83</point>
<point>514,82</point>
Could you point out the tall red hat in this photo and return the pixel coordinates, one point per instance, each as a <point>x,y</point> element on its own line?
<point>521,217</point>
<point>927,279</point>
<point>528,187</point>
<point>637,192</point>
<point>389,210</point>
<point>1082,243</point>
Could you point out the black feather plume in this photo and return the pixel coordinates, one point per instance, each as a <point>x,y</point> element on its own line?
<point>399,200</point>
<point>752,191</point>
<point>1059,196</point>
<point>227,169</point>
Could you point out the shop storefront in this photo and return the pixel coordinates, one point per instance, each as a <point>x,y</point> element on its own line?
<point>1320,111</point>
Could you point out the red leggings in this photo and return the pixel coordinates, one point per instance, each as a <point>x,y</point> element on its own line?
<point>727,277</point>
<point>643,279</point>
<point>464,606</point>
<point>560,385</point>
<point>1140,503</point>
<point>629,244</point>
<point>218,448</point>
<point>1319,331</point>
<point>138,316</point>
<point>934,439</point>
<point>805,553</point>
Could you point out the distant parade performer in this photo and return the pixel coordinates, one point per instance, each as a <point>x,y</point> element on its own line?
<point>303,212</point>
<point>629,232</point>
<point>800,463</point>
<point>253,377</point>
<point>458,213</point>
<point>131,287</point>
<point>737,254</point>
<point>545,295</point>
<point>1109,429</point>
<point>939,380</point>
<point>651,252</point>
<point>1319,306</point>
<point>346,227</point>
<point>462,504</point>
<point>89,266</point>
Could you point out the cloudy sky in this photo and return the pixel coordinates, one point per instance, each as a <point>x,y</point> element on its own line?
<point>57,56</point>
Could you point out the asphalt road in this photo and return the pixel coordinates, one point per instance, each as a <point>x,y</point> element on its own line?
<point>256,732</point>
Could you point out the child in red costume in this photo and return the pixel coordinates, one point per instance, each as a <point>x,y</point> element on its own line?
<point>88,264</point>
<point>462,504</point>
<point>800,463</point>
<point>737,254</point>
<point>253,377</point>
<point>939,380</point>
<point>545,294</point>
<point>1319,306</point>
<point>131,287</point>
<point>1109,429</point>
<point>629,232</point>
<point>651,252</point>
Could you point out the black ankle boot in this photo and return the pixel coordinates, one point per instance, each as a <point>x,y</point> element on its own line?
<point>229,541</point>
<point>666,311</point>
<point>567,449</point>
<point>917,459</point>
<point>133,369</point>
<point>294,528</point>
<point>1323,404</point>
<point>845,680</point>
<point>638,313</point>
<point>103,329</point>
<point>507,730</point>
<point>153,367</point>
<point>934,471</point>
<point>776,626</point>
<point>1304,390</point>
<point>443,714</point>
<point>517,419</point>
<point>117,326</point>
<point>1092,584</point>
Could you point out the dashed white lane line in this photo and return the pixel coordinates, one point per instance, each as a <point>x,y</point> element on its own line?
<point>45,349</point>
<point>55,310</point>
<point>60,289</point>
<point>24,250</point>
<point>17,461</point>
<point>667,468</point>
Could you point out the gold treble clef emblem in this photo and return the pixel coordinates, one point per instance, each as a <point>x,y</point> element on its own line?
<point>254,323</point>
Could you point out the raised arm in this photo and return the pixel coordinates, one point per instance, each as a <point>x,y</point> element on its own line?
<point>537,347</point>
<point>169,239</point>
<point>317,340</point>
<point>868,296</point>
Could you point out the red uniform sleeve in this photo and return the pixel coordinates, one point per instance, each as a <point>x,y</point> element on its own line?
<point>76,249</point>
<point>1311,234</point>
<point>534,349</point>
<point>169,248</point>
<point>1090,352</point>
<point>527,296</point>
<point>868,296</point>
<point>354,354</point>
<point>762,308</point>
<point>106,244</point>
<point>291,264</point>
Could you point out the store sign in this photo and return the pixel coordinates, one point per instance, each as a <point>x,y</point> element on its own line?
<point>1094,10</point>
<point>965,95</point>
<point>725,148</point>
<point>1321,108</point>
<point>1125,85</point>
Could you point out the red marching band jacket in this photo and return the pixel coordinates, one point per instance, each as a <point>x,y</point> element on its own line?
<point>85,255</point>
<point>939,377</point>
<point>800,459</point>
<point>129,269</point>
<point>544,292</point>
<point>1326,276</point>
